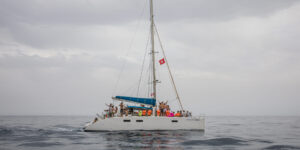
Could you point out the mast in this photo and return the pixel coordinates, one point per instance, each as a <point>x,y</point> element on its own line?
<point>152,48</point>
<point>153,57</point>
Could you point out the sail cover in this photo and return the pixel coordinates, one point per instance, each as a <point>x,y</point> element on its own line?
<point>146,101</point>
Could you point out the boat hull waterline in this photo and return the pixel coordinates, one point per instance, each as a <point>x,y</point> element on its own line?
<point>146,123</point>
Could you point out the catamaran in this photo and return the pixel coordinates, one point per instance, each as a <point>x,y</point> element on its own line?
<point>147,116</point>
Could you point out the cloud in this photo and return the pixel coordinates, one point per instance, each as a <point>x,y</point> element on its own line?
<point>216,10</point>
<point>77,12</point>
<point>57,24</point>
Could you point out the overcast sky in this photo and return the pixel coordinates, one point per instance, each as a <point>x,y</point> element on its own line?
<point>233,57</point>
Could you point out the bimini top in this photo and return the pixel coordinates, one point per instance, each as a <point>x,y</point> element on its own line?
<point>138,107</point>
<point>146,101</point>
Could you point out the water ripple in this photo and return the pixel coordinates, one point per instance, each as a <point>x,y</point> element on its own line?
<point>41,144</point>
<point>216,142</point>
<point>65,133</point>
<point>282,147</point>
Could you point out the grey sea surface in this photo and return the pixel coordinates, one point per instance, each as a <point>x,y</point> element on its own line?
<point>222,132</point>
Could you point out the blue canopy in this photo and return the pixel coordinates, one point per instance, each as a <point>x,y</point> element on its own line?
<point>146,101</point>
<point>138,107</point>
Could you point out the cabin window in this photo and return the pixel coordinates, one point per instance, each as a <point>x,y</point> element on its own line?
<point>126,120</point>
<point>174,120</point>
<point>139,120</point>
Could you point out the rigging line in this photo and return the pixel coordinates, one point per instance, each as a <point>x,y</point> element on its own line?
<point>130,89</point>
<point>127,51</point>
<point>150,89</point>
<point>145,92</point>
<point>142,69</point>
<point>149,79</point>
<point>173,83</point>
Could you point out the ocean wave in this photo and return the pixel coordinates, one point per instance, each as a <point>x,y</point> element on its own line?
<point>31,134</point>
<point>5,131</point>
<point>67,133</point>
<point>215,142</point>
<point>41,144</point>
<point>282,147</point>
<point>262,141</point>
<point>63,127</point>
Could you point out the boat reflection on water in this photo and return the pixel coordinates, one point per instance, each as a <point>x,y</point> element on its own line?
<point>149,139</point>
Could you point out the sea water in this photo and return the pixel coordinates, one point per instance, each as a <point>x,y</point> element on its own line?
<point>65,133</point>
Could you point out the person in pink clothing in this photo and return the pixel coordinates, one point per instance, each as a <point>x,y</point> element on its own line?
<point>171,114</point>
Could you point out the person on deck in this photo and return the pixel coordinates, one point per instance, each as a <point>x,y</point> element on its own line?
<point>171,114</point>
<point>121,109</point>
<point>161,108</point>
<point>126,111</point>
<point>140,112</point>
<point>158,112</point>
<point>116,110</point>
<point>168,112</point>
<point>144,112</point>
<point>168,107</point>
<point>177,114</point>
<point>109,110</point>
<point>149,112</point>
<point>183,113</point>
<point>165,108</point>
<point>112,111</point>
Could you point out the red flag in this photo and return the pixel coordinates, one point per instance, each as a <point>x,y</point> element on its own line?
<point>152,94</point>
<point>162,61</point>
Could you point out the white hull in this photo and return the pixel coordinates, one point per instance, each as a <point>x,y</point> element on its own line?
<point>146,123</point>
